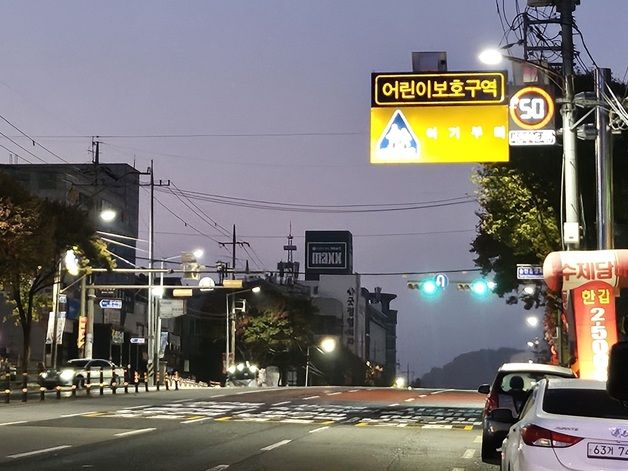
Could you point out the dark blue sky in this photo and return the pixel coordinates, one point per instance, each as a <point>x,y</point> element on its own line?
<point>283,88</point>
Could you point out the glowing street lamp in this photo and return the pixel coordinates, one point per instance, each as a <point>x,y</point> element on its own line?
<point>326,345</point>
<point>108,215</point>
<point>532,321</point>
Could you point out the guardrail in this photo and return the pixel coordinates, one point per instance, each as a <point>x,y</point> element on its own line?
<point>24,387</point>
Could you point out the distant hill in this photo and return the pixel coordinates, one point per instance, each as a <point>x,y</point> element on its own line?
<point>469,370</point>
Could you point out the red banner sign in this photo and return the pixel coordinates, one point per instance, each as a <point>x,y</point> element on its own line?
<point>596,328</point>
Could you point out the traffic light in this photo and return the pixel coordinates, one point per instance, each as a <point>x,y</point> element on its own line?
<point>479,288</point>
<point>427,287</point>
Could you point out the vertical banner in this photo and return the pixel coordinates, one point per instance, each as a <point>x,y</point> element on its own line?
<point>596,327</point>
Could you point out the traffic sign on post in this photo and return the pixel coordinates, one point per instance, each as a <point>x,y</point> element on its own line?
<point>529,272</point>
<point>110,304</point>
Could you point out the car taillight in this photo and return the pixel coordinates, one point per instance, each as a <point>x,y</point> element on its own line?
<point>491,402</point>
<point>534,435</point>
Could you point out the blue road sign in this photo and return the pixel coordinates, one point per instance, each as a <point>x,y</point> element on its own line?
<point>110,303</point>
<point>441,280</point>
<point>529,272</point>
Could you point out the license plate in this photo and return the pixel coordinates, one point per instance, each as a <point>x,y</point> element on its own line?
<point>607,451</point>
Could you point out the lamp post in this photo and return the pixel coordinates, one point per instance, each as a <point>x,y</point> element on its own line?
<point>157,294</point>
<point>326,345</point>
<point>71,266</point>
<point>230,325</point>
<point>571,225</point>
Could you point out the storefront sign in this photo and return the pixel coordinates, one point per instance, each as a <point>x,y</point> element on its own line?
<point>596,328</point>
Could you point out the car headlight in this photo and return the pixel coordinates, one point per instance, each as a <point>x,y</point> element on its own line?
<point>231,369</point>
<point>66,374</point>
<point>240,367</point>
<point>43,375</point>
<point>253,368</point>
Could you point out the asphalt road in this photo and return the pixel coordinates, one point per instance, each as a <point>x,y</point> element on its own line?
<point>317,428</point>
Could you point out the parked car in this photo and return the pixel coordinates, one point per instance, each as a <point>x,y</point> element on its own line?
<point>75,372</point>
<point>510,389</point>
<point>567,424</point>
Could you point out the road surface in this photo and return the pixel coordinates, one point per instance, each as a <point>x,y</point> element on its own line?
<point>314,428</point>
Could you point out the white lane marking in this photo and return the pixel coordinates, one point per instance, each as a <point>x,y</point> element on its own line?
<point>310,397</point>
<point>319,429</point>
<point>38,452</point>
<point>334,393</point>
<point>423,395</point>
<point>469,454</point>
<point>14,423</point>
<point>254,391</point>
<point>80,413</point>
<point>353,390</point>
<point>478,439</point>
<point>137,407</point>
<point>134,432</point>
<point>281,403</point>
<point>457,469</point>
<point>220,467</point>
<point>220,395</point>
<point>178,401</point>
<point>193,421</point>
<point>441,391</point>
<point>410,399</point>
<point>393,405</point>
<point>275,445</point>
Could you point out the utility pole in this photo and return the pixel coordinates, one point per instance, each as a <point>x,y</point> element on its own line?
<point>603,165</point>
<point>233,243</point>
<point>154,336</point>
<point>571,226</point>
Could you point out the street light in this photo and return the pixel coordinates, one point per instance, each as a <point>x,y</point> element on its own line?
<point>326,345</point>
<point>230,326</point>
<point>564,81</point>
<point>70,262</point>
<point>532,321</point>
<point>155,324</point>
<point>108,215</point>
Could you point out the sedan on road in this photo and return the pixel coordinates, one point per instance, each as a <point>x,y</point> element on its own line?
<point>77,372</point>
<point>567,424</point>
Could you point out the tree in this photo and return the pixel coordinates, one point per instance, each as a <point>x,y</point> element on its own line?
<point>34,235</point>
<point>272,329</point>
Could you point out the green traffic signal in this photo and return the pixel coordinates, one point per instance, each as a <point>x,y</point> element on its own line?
<point>479,287</point>
<point>428,287</point>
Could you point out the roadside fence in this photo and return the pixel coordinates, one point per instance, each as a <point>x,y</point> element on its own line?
<point>27,387</point>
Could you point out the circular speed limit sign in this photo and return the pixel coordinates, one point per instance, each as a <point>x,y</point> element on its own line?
<point>531,108</point>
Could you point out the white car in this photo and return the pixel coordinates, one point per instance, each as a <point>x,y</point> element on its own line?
<point>569,424</point>
<point>75,372</point>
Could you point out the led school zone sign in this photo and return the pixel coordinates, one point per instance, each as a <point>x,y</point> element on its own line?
<point>457,117</point>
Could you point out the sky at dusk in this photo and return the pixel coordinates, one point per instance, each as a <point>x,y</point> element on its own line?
<point>270,101</point>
